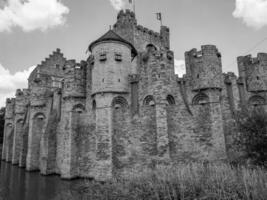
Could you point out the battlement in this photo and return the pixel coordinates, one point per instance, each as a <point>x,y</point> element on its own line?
<point>249,60</point>
<point>126,15</point>
<point>206,50</point>
<point>145,30</point>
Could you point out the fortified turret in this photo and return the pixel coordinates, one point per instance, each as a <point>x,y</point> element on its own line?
<point>254,72</point>
<point>112,64</point>
<point>204,68</point>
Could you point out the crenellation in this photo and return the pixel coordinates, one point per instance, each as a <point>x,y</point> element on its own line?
<point>124,108</point>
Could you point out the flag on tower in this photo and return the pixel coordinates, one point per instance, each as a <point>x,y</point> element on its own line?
<point>159,17</point>
<point>130,1</point>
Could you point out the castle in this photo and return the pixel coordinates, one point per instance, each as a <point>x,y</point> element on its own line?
<point>124,108</point>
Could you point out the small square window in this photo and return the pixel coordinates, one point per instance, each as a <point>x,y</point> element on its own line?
<point>118,57</point>
<point>103,57</point>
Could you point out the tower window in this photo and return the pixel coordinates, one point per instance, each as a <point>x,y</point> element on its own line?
<point>103,57</point>
<point>258,78</point>
<point>118,57</point>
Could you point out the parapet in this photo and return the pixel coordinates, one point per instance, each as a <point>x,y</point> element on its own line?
<point>148,31</point>
<point>249,60</point>
<point>206,50</point>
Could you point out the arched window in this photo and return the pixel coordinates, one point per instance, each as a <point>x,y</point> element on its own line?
<point>149,101</point>
<point>200,99</point>
<point>79,108</point>
<point>151,47</point>
<point>9,125</point>
<point>9,128</point>
<point>256,100</point>
<point>39,116</point>
<point>170,100</point>
<point>119,102</point>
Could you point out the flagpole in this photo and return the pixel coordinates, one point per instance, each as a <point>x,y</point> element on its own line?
<point>134,6</point>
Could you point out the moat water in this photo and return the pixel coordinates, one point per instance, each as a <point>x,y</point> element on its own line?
<point>17,184</point>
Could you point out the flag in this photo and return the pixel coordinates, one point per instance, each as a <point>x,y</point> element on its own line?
<point>130,1</point>
<point>159,16</point>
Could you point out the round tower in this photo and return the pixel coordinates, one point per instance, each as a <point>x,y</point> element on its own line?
<point>110,92</point>
<point>112,63</point>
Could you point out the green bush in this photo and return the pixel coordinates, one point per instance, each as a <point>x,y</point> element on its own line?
<point>252,136</point>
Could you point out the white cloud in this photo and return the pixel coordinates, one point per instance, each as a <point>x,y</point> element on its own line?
<point>117,4</point>
<point>32,14</point>
<point>179,67</point>
<point>10,82</point>
<point>121,4</point>
<point>252,12</point>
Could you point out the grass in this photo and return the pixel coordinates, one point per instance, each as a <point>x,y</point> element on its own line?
<point>186,182</point>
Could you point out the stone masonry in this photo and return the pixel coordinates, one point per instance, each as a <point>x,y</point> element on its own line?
<point>125,109</point>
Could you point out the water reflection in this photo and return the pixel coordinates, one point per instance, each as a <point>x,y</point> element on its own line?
<point>17,184</point>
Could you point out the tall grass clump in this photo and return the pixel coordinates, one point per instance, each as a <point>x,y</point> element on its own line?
<point>185,182</point>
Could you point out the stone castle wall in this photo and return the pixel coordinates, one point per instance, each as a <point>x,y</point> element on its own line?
<point>118,112</point>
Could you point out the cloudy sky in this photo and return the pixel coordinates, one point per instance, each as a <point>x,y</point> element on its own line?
<point>31,29</point>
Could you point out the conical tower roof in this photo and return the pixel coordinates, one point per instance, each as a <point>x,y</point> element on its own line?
<point>112,36</point>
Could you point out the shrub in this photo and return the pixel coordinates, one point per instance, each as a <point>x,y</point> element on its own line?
<point>252,137</point>
<point>185,182</point>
